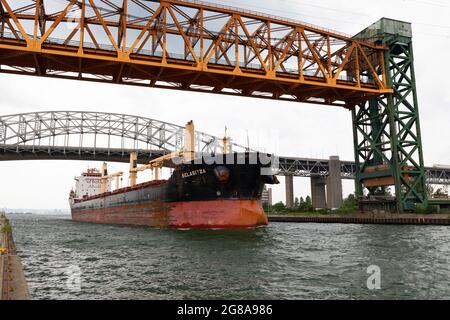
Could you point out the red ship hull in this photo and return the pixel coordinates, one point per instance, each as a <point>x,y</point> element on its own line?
<point>197,195</point>
<point>188,214</point>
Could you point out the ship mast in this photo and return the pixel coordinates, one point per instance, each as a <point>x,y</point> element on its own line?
<point>106,177</point>
<point>189,152</point>
<point>226,142</point>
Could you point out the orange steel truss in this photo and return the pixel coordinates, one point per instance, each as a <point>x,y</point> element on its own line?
<point>188,45</point>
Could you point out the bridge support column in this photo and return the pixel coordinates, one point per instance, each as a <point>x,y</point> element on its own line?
<point>318,197</point>
<point>386,130</point>
<point>289,191</point>
<point>334,183</point>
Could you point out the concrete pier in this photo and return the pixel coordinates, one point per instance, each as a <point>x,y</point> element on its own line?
<point>326,191</point>
<point>334,184</point>
<point>13,285</point>
<point>319,200</point>
<point>289,191</point>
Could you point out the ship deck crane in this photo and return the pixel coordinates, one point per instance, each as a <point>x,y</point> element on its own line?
<point>154,165</point>
<point>106,177</point>
<point>187,153</point>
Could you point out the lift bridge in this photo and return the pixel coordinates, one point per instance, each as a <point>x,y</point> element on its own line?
<point>203,47</point>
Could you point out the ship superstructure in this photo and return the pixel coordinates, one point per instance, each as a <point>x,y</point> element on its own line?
<point>89,183</point>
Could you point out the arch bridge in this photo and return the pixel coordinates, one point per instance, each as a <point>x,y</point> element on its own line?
<point>77,135</point>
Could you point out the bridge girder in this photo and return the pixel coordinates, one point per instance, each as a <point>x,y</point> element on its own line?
<point>297,167</point>
<point>47,136</point>
<point>29,152</point>
<point>189,45</point>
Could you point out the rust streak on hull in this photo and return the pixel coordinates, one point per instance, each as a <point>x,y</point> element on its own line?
<point>189,214</point>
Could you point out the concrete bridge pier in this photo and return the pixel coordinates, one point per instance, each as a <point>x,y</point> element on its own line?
<point>334,183</point>
<point>318,196</point>
<point>326,192</point>
<point>289,191</point>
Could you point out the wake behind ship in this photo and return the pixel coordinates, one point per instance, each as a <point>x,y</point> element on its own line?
<point>198,194</point>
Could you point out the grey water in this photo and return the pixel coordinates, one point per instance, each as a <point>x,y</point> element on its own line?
<point>280,261</point>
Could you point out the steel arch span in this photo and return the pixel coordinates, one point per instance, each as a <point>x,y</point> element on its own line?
<point>95,136</point>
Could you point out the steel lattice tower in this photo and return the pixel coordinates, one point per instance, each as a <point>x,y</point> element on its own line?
<point>387,138</point>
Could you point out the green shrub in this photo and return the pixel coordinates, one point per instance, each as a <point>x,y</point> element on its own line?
<point>420,209</point>
<point>322,211</point>
<point>7,227</point>
<point>350,205</point>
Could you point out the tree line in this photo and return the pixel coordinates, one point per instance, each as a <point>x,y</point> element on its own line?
<point>304,205</point>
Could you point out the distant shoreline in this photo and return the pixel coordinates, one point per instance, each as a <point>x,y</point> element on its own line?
<point>37,213</point>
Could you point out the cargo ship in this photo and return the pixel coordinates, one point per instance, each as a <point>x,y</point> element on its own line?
<point>198,193</point>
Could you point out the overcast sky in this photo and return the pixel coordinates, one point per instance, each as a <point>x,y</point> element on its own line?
<point>302,130</point>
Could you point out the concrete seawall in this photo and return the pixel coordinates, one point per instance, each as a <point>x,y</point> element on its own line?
<point>13,285</point>
<point>361,218</point>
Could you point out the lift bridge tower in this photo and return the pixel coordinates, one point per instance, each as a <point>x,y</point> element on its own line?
<point>386,129</point>
<point>202,47</point>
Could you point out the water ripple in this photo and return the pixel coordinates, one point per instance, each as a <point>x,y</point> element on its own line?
<point>282,261</point>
